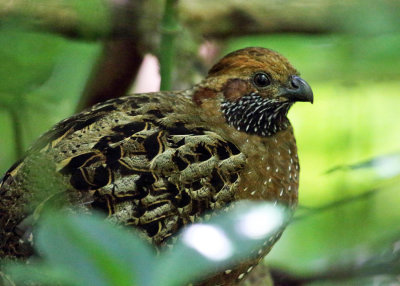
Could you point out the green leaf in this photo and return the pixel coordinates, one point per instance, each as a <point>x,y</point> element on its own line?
<point>86,250</point>
<point>223,241</point>
<point>95,252</point>
<point>27,60</point>
<point>23,274</point>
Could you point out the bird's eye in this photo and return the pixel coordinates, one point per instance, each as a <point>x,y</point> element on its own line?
<point>261,80</point>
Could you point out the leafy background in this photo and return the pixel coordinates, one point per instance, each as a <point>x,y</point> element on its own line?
<point>348,139</point>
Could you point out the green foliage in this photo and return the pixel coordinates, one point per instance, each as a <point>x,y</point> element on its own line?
<point>27,61</point>
<point>92,250</point>
<point>86,250</point>
<point>42,77</point>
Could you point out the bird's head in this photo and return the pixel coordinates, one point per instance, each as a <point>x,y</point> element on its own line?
<point>255,88</point>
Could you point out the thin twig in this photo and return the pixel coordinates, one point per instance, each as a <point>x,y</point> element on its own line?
<point>335,204</point>
<point>378,264</point>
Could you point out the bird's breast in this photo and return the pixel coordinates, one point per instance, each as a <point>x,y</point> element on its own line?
<point>272,169</point>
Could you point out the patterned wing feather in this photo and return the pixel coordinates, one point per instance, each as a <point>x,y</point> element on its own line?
<point>142,165</point>
<point>156,180</point>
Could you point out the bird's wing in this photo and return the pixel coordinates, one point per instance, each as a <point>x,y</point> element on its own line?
<point>151,172</point>
<point>156,177</point>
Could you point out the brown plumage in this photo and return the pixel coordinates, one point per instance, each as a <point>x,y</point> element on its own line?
<point>158,161</point>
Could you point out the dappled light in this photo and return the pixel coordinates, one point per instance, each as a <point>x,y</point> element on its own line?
<point>260,222</point>
<point>209,241</point>
<point>387,166</point>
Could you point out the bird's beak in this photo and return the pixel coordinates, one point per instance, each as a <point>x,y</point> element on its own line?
<point>299,90</point>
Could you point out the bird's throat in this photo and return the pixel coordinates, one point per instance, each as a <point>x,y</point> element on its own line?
<point>256,115</point>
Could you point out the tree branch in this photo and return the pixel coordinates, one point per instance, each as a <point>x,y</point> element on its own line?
<point>212,19</point>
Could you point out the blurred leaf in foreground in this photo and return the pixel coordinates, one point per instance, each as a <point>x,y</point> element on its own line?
<point>86,250</point>
<point>95,252</point>
<point>222,242</point>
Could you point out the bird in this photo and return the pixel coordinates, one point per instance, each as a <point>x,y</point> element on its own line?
<point>159,161</point>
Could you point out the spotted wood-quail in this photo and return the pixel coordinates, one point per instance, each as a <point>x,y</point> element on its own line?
<point>158,161</point>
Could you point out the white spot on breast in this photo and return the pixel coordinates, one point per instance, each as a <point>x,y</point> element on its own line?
<point>281,193</point>
<point>276,170</point>
<point>289,188</point>
<point>228,271</point>
<point>250,268</point>
<point>290,151</point>
<point>259,252</point>
<point>252,193</point>
<point>270,180</point>
<point>265,182</point>
<point>290,168</point>
<point>241,276</point>
<point>268,168</point>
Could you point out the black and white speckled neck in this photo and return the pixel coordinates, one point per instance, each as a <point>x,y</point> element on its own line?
<point>254,114</point>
